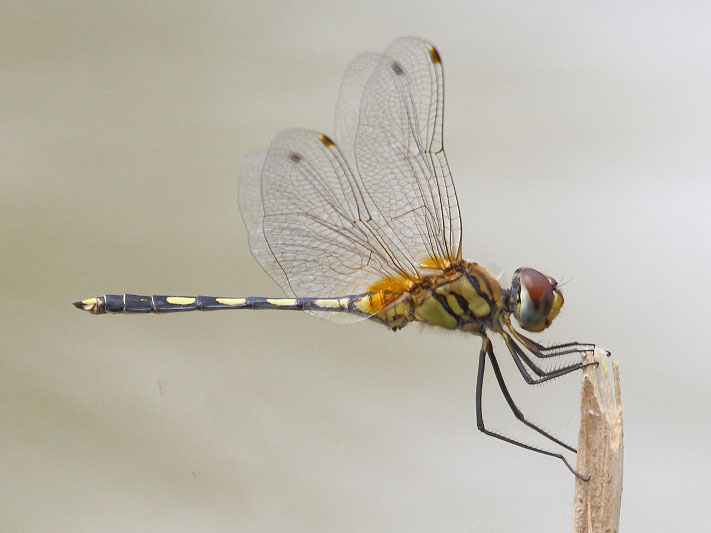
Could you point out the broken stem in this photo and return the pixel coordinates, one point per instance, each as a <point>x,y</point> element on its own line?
<point>600,448</point>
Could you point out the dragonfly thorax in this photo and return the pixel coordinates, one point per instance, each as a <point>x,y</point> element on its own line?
<point>467,298</point>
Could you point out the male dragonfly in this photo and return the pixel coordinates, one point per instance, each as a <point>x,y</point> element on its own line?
<point>368,226</point>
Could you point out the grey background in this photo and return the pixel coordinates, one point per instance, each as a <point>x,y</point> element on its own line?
<point>579,141</point>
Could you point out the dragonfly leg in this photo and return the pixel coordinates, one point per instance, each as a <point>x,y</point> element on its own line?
<point>487,351</point>
<point>555,350</point>
<point>519,357</point>
<point>516,411</point>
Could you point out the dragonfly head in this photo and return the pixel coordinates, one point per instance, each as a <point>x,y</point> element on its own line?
<point>535,299</point>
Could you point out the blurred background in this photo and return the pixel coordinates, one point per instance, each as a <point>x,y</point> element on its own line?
<point>578,137</point>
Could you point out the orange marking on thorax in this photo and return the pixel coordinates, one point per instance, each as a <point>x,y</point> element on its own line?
<point>439,263</point>
<point>386,291</point>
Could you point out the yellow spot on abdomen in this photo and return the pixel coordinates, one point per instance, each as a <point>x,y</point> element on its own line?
<point>281,301</point>
<point>180,300</point>
<point>231,301</point>
<point>329,303</point>
<point>89,303</point>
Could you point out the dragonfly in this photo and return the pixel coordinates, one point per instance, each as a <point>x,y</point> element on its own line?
<point>368,226</point>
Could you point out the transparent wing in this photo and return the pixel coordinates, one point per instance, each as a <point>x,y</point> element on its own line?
<point>308,221</point>
<point>389,123</point>
<point>349,99</point>
<point>323,222</point>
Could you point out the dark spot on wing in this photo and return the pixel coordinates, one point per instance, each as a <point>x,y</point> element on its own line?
<point>397,69</point>
<point>434,54</point>
<point>296,158</point>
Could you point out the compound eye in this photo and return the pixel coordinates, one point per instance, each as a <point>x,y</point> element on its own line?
<point>536,284</point>
<point>538,300</point>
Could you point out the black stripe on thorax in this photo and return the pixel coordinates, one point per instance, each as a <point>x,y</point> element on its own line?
<point>464,304</point>
<point>489,300</point>
<point>442,299</point>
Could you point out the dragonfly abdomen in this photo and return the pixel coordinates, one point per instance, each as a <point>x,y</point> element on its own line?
<point>135,303</point>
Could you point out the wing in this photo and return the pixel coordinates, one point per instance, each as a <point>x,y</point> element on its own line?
<point>323,222</point>
<point>389,123</point>
<point>308,222</point>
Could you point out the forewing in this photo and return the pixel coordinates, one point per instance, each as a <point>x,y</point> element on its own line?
<point>390,118</point>
<point>349,100</point>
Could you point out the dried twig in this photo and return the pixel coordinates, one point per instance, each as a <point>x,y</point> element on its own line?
<point>600,449</point>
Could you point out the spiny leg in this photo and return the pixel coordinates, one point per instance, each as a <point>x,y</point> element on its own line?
<point>516,411</point>
<point>558,349</point>
<point>544,375</point>
<point>555,350</point>
<point>480,418</point>
<point>517,353</point>
<point>520,357</point>
<point>581,346</point>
